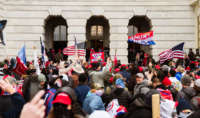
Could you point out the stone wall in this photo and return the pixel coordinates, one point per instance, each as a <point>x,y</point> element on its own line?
<point>196,8</point>
<point>172,20</point>
<point>198,29</point>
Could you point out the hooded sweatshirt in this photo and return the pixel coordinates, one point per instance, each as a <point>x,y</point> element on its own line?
<point>141,88</point>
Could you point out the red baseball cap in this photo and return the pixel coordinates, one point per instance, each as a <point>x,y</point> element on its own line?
<point>166,81</point>
<point>140,69</point>
<point>188,68</point>
<point>117,70</point>
<point>90,66</point>
<point>4,77</point>
<point>111,80</point>
<point>104,64</point>
<point>157,67</point>
<point>62,98</point>
<point>123,65</point>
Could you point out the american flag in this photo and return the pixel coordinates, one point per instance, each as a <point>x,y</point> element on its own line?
<point>78,48</point>
<point>175,52</point>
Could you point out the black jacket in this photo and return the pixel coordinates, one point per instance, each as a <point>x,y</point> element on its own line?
<point>122,95</point>
<point>11,105</point>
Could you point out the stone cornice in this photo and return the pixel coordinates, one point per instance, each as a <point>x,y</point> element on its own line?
<point>196,6</point>
<point>194,3</point>
<point>95,3</point>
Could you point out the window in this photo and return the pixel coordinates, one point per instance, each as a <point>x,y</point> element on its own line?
<point>139,24</point>
<point>60,33</point>
<point>132,30</point>
<point>93,31</point>
<point>96,31</point>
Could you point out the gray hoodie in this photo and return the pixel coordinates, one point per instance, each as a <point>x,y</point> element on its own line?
<point>98,76</point>
<point>141,88</point>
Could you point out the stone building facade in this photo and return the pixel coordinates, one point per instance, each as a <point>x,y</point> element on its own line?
<point>173,21</point>
<point>196,8</point>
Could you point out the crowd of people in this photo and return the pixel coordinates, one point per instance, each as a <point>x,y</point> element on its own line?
<point>80,89</point>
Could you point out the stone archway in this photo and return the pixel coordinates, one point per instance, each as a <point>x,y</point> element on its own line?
<point>97,35</point>
<point>55,33</point>
<point>138,24</point>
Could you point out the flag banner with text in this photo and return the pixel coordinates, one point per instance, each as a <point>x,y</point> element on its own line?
<point>142,38</point>
<point>96,57</point>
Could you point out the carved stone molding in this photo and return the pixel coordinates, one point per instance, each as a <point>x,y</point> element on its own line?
<point>55,11</point>
<point>97,11</point>
<point>141,11</point>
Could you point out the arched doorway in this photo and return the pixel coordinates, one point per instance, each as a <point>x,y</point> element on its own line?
<point>97,34</point>
<point>138,24</point>
<point>55,33</point>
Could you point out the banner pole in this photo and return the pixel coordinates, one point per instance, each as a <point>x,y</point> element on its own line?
<point>156,106</point>
<point>115,52</point>
<point>75,44</point>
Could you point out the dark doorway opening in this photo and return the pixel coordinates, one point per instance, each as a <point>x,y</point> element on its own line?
<point>138,24</point>
<point>59,45</point>
<point>55,34</point>
<point>97,33</point>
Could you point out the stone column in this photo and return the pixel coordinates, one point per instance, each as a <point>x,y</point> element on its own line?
<point>196,6</point>
<point>118,39</point>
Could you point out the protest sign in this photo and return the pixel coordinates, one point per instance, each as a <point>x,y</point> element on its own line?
<point>96,57</point>
<point>142,38</point>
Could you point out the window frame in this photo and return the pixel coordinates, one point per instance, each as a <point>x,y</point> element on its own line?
<point>98,34</point>
<point>59,33</point>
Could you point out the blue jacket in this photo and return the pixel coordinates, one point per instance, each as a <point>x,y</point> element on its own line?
<point>178,75</point>
<point>81,92</point>
<point>92,102</point>
<point>48,99</point>
<point>125,74</point>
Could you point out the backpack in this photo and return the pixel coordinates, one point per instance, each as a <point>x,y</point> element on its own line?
<point>48,99</point>
<point>195,102</point>
<point>139,99</point>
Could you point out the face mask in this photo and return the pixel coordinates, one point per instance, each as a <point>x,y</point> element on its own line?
<point>99,92</point>
<point>58,83</point>
<point>184,115</point>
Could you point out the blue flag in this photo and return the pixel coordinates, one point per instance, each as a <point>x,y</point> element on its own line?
<point>42,51</point>
<point>22,54</point>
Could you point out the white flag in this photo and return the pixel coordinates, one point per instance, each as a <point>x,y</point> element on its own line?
<point>36,64</point>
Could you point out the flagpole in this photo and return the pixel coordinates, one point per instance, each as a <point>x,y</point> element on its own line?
<point>41,51</point>
<point>115,54</point>
<point>115,58</point>
<point>6,48</point>
<point>18,48</point>
<point>25,51</point>
<point>76,55</point>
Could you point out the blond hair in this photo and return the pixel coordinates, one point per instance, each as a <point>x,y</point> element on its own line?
<point>180,69</point>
